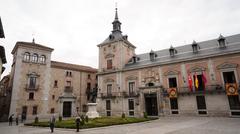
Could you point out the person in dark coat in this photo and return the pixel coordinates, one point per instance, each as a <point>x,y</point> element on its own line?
<point>78,120</point>
<point>10,120</point>
<point>17,120</point>
<point>52,123</point>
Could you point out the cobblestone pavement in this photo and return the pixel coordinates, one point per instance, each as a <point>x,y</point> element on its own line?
<point>165,125</point>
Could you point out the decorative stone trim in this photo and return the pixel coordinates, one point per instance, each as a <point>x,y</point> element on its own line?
<point>197,69</point>
<point>109,56</point>
<point>227,65</point>
<point>108,80</point>
<point>171,72</point>
<point>132,78</point>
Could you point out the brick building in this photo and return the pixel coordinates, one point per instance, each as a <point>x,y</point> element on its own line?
<point>41,87</point>
<point>201,78</point>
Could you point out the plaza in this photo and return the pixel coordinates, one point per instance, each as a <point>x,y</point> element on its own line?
<point>164,125</point>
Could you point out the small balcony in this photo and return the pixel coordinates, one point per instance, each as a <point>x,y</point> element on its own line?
<point>68,89</point>
<point>31,87</point>
<point>130,94</point>
<point>209,89</point>
<point>110,95</point>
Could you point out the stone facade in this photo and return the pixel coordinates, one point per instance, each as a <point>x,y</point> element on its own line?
<point>41,87</point>
<point>186,80</point>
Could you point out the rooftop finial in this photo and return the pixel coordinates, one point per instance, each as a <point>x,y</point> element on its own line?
<point>33,40</point>
<point>116,13</point>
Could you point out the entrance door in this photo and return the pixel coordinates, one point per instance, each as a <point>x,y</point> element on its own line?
<point>24,112</point>
<point>151,104</point>
<point>67,108</point>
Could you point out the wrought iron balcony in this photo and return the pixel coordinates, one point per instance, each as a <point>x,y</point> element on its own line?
<point>209,89</point>
<point>130,94</point>
<point>110,95</point>
<point>31,87</point>
<point>68,89</point>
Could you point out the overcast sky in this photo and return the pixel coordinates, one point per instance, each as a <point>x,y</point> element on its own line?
<point>74,27</point>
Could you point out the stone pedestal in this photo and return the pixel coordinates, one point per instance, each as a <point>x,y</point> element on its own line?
<point>92,110</point>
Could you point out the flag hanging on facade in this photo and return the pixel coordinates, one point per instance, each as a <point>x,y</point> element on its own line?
<point>196,81</point>
<point>190,82</point>
<point>204,79</point>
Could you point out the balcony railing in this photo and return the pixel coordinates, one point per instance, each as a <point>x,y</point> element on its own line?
<point>130,94</point>
<point>68,89</point>
<point>31,88</point>
<point>209,89</point>
<point>119,94</point>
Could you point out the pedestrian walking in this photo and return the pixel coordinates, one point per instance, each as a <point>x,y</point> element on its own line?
<point>52,123</point>
<point>78,120</point>
<point>10,120</point>
<point>17,120</point>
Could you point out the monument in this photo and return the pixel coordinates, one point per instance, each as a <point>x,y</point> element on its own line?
<point>92,106</point>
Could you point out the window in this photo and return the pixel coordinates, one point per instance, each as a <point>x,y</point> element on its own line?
<point>68,83</point>
<point>172,82</point>
<point>201,85</point>
<point>109,89</point>
<point>53,97</point>
<point>109,64</point>
<point>42,59</point>
<point>234,102</point>
<point>35,58</point>
<point>26,56</point>
<point>229,77</point>
<point>55,83</point>
<point>131,107</point>
<point>34,112</point>
<point>52,110</point>
<point>108,107</point>
<point>32,82</point>
<point>89,76</point>
<point>31,96</point>
<point>131,87</point>
<point>69,74</point>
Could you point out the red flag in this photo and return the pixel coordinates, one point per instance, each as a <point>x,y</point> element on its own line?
<point>190,82</point>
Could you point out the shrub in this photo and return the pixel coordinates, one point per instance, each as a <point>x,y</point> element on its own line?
<point>60,118</point>
<point>86,118</point>
<point>36,120</point>
<point>123,115</point>
<point>145,115</point>
<point>82,120</point>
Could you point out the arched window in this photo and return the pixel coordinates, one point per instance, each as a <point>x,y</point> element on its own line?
<point>42,59</point>
<point>26,56</point>
<point>35,58</point>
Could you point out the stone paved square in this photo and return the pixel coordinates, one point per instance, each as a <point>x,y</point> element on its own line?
<point>164,125</point>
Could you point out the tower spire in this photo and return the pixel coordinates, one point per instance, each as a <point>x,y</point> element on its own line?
<point>116,23</point>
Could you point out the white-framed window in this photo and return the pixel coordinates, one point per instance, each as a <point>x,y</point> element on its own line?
<point>42,59</point>
<point>35,58</point>
<point>131,86</point>
<point>109,89</point>
<point>26,56</point>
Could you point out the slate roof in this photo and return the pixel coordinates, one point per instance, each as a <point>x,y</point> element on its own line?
<point>62,65</point>
<point>208,48</point>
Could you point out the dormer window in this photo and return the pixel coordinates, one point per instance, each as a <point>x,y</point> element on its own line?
<point>111,37</point>
<point>221,42</point>
<point>152,55</point>
<point>195,47</point>
<point>172,51</point>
